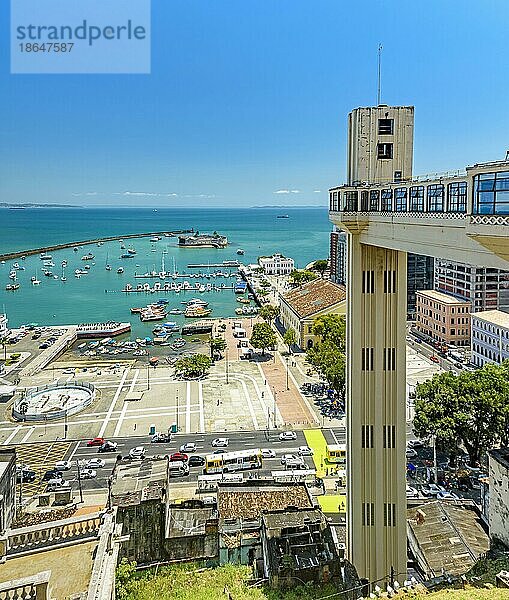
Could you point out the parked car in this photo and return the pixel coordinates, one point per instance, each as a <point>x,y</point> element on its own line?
<point>97,441</point>
<point>432,489</point>
<point>447,496</point>
<point>137,453</point>
<point>267,453</point>
<point>63,465</point>
<point>434,359</point>
<point>57,485</point>
<point>415,444</point>
<point>196,461</point>
<point>108,447</point>
<point>52,474</point>
<point>95,463</point>
<point>220,442</point>
<point>25,476</point>
<point>411,492</point>
<point>411,453</point>
<point>295,463</point>
<point>304,451</point>
<point>178,468</point>
<point>188,447</point>
<point>179,457</point>
<point>286,457</point>
<point>88,474</point>
<point>287,436</point>
<point>161,438</point>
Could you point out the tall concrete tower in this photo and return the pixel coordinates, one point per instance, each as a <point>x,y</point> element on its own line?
<point>380,144</point>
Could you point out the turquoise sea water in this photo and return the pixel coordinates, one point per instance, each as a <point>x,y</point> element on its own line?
<point>97,296</point>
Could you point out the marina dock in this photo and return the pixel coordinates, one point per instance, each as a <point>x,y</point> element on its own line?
<point>113,238</point>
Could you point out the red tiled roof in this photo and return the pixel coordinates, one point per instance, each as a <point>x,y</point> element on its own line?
<point>315,296</point>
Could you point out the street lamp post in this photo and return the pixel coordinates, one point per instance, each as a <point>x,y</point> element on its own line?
<point>274,412</point>
<point>287,369</point>
<point>148,371</point>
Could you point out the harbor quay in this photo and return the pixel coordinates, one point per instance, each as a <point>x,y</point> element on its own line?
<point>55,247</point>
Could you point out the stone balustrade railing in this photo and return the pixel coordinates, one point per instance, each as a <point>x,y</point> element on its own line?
<point>34,587</point>
<point>25,540</point>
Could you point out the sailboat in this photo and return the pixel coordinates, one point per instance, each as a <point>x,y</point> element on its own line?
<point>34,279</point>
<point>108,266</point>
<point>63,278</point>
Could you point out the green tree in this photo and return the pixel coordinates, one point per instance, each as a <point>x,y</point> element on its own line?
<point>193,366</point>
<point>269,312</point>
<point>471,409</point>
<point>331,328</point>
<point>328,354</point>
<point>290,338</point>
<point>124,576</point>
<point>300,277</point>
<point>321,266</point>
<point>262,337</point>
<point>217,344</point>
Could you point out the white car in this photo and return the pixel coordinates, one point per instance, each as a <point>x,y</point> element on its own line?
<point>63,465</point>
<point>411,453</point>
<point>88,474</point>
<point>137,453</point>
<point>432,489</point>
<point>189,447</point>
<point>415,444</point>
<point>55,485</point>
<point>266,453</point>
<point>447,496</point>
<point>411,492</point>
<point>95,463</point>
<point>304,451</point>
<point>287,457</point>
<point>287,436</point>
<point>220,442</point>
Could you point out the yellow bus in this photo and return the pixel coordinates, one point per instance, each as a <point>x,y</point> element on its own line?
<point>336,453</point>
<point>229,462</point>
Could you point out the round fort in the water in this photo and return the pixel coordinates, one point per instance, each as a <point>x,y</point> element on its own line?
<point>54,401</point>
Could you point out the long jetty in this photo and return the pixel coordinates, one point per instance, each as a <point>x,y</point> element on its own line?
<point>112,238</point>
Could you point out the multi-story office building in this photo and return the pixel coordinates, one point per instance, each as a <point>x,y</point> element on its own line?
<point>277,264</point>
<point>419,277</point>
<point>443,318</point>
<point>484,288</point>
<point>490,337</point>
<point>338,256</point>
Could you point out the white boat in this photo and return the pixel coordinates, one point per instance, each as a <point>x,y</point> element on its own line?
<point>11,287</point>
<point>45,256</point>
<point>12,275</point>
<point>88,256</point>
<point>35,281</point>
<point>240,251</point>
<point>120,270</point>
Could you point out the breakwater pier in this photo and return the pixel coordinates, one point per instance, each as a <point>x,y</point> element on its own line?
<point>112,238</point>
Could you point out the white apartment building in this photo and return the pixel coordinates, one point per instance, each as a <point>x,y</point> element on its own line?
<point>3,326</point>
<point>277,264</point>
<point>490,337</point>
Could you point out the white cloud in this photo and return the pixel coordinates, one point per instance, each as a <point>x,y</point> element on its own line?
<point>282,192</point>
<point>317,191</point>
<point>295,191</point>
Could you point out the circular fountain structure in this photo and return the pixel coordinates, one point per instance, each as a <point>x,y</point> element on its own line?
<point>54,401</point>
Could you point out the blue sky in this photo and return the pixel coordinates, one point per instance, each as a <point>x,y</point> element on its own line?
<point>248,98</point>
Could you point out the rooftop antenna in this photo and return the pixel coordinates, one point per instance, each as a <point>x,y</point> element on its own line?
<point>379,89</point>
